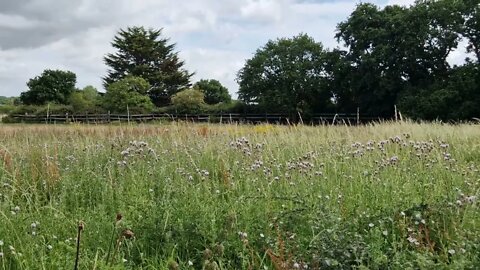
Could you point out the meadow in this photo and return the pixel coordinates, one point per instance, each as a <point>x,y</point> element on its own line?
<point>183,196</point>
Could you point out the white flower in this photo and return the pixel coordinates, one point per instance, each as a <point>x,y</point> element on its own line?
<point>371,225</point>
<point>190,263</point>
<point>124,260</point>
<point>412,240</point>
<point>16,209</point>
<point>385,233</point>
<point>471,199</point>
<point>33,225</point>
<point>1,243</point>
<point>296,266</point>
<point>49,247</point>
<point>262,235</point>
<point>451,251</point>
<point>243,235</point>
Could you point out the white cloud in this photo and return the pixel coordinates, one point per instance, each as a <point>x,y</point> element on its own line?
<point>264,10</point>
<point>401,2</point>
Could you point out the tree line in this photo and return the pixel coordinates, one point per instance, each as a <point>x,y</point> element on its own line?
<point>387,57</point>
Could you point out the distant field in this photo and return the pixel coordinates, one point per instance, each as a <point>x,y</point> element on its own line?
<point>386,196</point>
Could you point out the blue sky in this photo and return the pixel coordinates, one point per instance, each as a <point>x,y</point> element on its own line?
<point>213,37</point>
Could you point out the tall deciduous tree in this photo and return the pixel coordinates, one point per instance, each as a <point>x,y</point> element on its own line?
<point>471,27</point>
<point>189,101</point>
<point>392,49</point>
<point>84,100</point>
<point>145,53</point>
<point>214,91</point>
<point>51,86</point>
<point>286,75</point>
<point>128,93</point>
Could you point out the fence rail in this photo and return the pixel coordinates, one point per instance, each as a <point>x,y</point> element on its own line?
<point>197,118</point>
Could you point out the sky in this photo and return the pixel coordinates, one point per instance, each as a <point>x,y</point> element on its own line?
<point>213,37</point>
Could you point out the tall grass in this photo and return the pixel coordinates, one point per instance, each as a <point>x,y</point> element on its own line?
<point>381,196</point>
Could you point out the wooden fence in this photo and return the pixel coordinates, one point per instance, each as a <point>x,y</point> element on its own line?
<point>351,119</point>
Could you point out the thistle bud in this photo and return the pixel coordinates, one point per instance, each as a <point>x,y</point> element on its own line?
<point>128,234</point>
<point>81,226</point>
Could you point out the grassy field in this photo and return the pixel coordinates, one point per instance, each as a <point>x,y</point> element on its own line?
<point>177,196</point>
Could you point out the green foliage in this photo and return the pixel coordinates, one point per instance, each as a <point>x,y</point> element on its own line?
<point>454,99</point>
<point>128,93</point>
<point>214,91</point>
<point>144,53</point>
<point>52,86</point>
<point>189,101</point>
<point>471,27</point>
<point>7,104</point>
<point>85,100</point>
<point>286,76</point>
<point>7,100</point>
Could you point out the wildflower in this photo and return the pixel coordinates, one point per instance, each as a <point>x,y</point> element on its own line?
<point>49,247</point>
<point>207,254</point>
<point>371,225</point>
<point>394,160</point>
<point>296,265</point>
<point>243,235</point>
<point>1,243</point>
<point>385,233</point>
<point>471,199</point>
<point>190,263</point>
<point>16,209</point>
<point>412,240</point>
<point>33,225</point>
<point>451,251</point>
<point>262,235</point>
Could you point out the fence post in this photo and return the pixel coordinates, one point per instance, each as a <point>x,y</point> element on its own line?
<point>358,115</point>
<point>128,115</point>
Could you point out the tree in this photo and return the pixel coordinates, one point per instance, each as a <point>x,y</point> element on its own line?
<point>51,86</point>
<point>84,100</point>
<point>214,91</point>
<point>286,75</point>
<point>189,101</point>
<point>454,98</point>
<point>7,100</point>
<point>145,54</point>
<point>386,56</point>
<point>128,93</point>
<point>471,27</point>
